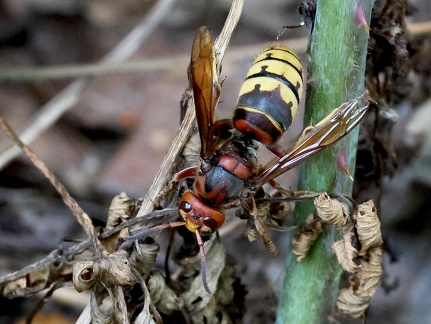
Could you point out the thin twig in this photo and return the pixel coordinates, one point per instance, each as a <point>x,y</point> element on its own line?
<point>57,106</point>
<point>24,74</point>
<point>154,218</point>
<point>176,62</point>
<point>82,217</point>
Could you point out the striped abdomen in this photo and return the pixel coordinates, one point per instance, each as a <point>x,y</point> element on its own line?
<point>269,97</point>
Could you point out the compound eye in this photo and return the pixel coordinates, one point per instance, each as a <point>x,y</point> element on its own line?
<point>211,224</point>
<point>185,207</point>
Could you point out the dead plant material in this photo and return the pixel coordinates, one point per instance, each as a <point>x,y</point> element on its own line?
<point>301,242</point>
<point>365,265</point>
<point>368,227</point>
<point>356,299</point>
<point>331,210</point>
<point>113,274</point>
<point>389,63</point>
<point>346,253</point>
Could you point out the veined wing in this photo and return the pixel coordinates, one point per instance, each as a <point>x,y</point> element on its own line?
<point>206,89</point>
<point>315,138</point>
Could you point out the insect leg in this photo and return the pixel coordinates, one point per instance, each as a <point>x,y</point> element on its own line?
<point>186,173</point>
<point>261,228</point>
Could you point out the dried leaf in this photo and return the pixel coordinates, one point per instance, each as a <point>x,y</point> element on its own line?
<point>331,210</point>
<point>371,271</point>
<point>302,241</point>
<point>349,302</point>
<point>216,259</point>
<point>356,299</point>
<point>113,270</point>
<point>101,313</point>
<point>163,297</point>
<point>368,227</point>
<point>121,209</point>
<point>346,253</point>
<point>35,280</point>
<point>83,275</point>
<point>144,257</point>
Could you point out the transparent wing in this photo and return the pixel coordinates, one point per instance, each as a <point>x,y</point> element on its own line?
<point>315,138</point>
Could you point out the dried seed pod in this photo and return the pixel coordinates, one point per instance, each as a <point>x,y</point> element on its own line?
<point>303,240</point>
<point>331,210</point>
<point>368,227</point>
<point>346,253</point>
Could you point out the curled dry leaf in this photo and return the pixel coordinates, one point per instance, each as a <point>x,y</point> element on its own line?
<point>36,280</point>
<point>371,272</point>
<point>331,210</point>
<point>368,227</point>
<point>121,209</point>
<point>83,275</point>
<point>100,313</point>
<point>356,299</point>
<point>302,241</point>
<point>227,301</point>
<point>195,298</point>
<point>346,253</point>
<point>349,302</point>
<point>144,256</point>
<point>163,297</point>
<point>113,270</point>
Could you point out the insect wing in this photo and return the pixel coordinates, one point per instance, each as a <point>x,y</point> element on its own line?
<point>206,89</point>
<point>315,138</point>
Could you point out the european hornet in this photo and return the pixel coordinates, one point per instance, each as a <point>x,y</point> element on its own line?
<point>229,174</point>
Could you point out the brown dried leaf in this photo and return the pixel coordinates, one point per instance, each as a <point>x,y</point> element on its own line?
<point>113,270</point>
<point>216,259</point>
<point>163,297</point>
<point>100,311</point>
<point>349,302</point>
<point>331,210</point>
<point>35,280</point>
<point>356,299</point>
<point>303,240</point>
<point>346,253</point>
<point>144,257</point>
<point>371,272</point>
<point>368,227</point>
<point>83,275</point>
<point>120,210</point>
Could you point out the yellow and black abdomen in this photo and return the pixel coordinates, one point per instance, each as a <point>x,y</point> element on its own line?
<point>269,97</point>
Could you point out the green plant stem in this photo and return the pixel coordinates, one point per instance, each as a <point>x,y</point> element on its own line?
<point>337,49</point>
